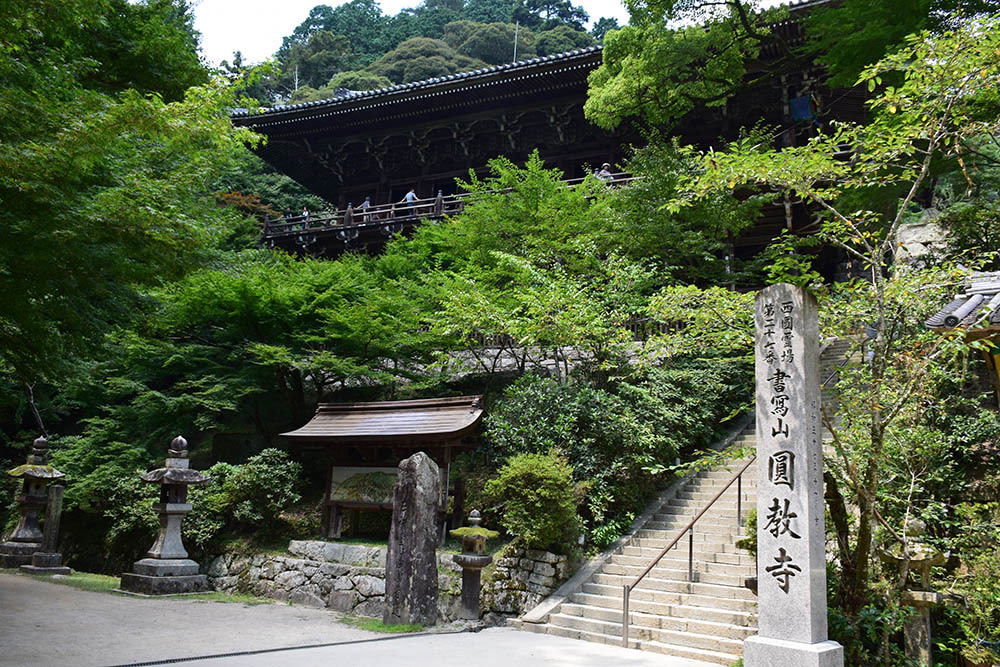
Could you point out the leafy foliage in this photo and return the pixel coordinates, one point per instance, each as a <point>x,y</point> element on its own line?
<point>248,496</point>
<point>421,58</point>
<point>560,39</point>
<point>536,495</point>
<point>690,245</point>
<point>102,193</point>
<point>491,43</point>
<point>619,442</point>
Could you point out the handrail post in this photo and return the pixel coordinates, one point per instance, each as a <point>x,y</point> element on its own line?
<point>625,592</point>
<point>739,502</point>
<point>691,555</point>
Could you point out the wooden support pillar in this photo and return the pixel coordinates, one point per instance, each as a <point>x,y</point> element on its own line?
<point>326,516</point>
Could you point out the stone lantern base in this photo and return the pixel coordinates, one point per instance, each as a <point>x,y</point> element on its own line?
<point>46,563</point>
<point>155,576</point>
<point>16,554</point>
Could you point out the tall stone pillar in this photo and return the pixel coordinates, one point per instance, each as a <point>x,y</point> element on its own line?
<point>791,539</point>
<point>411,576</point>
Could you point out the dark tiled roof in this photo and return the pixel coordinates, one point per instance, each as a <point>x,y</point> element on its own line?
<point>420,86</point>
<point>392,422</point>
<point>345,96</point>
<point>979,304</point>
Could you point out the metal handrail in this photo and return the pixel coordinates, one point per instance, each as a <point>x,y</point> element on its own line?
<point>689,529</point>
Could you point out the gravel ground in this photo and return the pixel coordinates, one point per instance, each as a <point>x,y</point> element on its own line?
<point>43,623</point>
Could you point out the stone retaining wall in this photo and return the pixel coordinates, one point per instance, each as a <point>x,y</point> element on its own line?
<point>351,578</point>
<point>520,579</point>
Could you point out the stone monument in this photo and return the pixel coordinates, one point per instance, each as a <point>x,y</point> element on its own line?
<point>166,569</point>
<point>48,560</point>
<point>411,576</point>
<point>472,560</point>
<point>791,549</point>
<point>27,536</point>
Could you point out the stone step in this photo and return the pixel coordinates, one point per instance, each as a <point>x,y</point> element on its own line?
<point>649,553</point>
<point>673,527</point>
<point>705,619</point>
<point>679,562</point>
<point>658,621</point>
<point>703,613</point>
<point>707,519</point>
<point>649,633</point>
<point>727,474</point>
<point>657,647</point>
<point>701,574</point>
<point>729,495</point>
<point>722,505</point>
<point>661,538</point>
<point>650,583</point>
<point>667,597</point>
<point>734,561</point>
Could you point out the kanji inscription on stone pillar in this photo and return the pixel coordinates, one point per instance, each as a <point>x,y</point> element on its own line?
<point>791,563</point>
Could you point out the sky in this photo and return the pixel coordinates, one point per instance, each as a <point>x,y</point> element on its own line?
<point>255,27</point>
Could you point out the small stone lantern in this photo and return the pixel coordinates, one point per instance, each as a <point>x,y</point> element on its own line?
<point>922,557</point>
<point>166,569</point>
<point>27,536</point>
<point>472,560</point>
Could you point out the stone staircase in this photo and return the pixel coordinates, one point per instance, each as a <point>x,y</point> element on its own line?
<point>705,619</point>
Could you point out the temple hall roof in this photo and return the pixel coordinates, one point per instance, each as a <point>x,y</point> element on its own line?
<point>392,422</point>
<point>978,304</point>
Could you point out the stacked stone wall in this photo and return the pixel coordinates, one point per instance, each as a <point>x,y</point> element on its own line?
<point>520,579</point>
<point>351,578</point>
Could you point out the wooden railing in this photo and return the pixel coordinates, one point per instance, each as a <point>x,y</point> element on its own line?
<point>385,214</point>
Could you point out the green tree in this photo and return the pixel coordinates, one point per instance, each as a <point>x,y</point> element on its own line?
<point>852,34</point>
<point>690,245</point>
<point>102,192</point>
<point>150,46</point>
<point>602,26</point>
<point>562,38</point>
<point>655,74</point>
<point>362,21</point>
<point>489,11</point>
<point>315,62</point>
<point>547,14</point>
<point>491,43</point>
<point>358,80</point>
<point>946,96</point>
<point>421,58</point>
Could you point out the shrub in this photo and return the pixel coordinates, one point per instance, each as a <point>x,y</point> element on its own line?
<point>621,441</point>
<point>246,498</point>
<point>257,491</point>
<point>536,496</point>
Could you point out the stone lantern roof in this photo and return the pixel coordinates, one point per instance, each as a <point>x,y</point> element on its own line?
<point>175,469</point>
<point>37,466</point>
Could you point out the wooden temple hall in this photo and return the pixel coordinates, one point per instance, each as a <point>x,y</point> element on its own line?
<point>364,443</point>
<point>424,134</point>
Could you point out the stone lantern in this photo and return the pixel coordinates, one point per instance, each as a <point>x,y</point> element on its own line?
<point>921,558</point>
<point>27,536</point>
<point>166,569</point>
<point>472,560</point>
